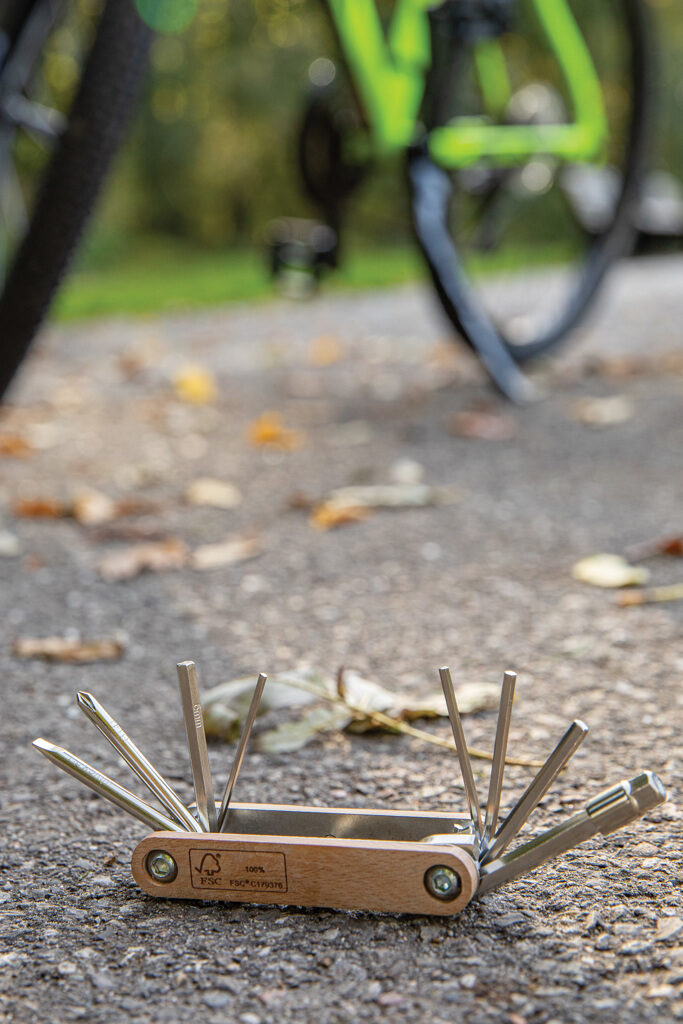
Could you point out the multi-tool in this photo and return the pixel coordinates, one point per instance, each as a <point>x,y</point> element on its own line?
<point>378,860</point>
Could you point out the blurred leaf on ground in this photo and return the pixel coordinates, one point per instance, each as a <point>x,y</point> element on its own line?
<point>269,431</point>
<point>483,425</point>
<point>57,648</point>
<point>196,385</point>
<point>606,570</point>
<point>128,562</point>
<point>14,446</point>
<point>240,548</point>
<point>216,493</point>
<point>602,412</point>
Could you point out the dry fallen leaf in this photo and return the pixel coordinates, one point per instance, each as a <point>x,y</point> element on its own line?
<point>358,704</point>
<point>390,496</point>
<point>40,508</point>
<point>602,412</point>
<point>226,704</point>
<point>88,507</point>
<point>651,595</point>
<point>91,507</point>
<point>269,431</point>
<point>483,425</point>
<point>227,552</point>
<point>13,446</point>
<point>326,516</point>
<point>57,648</point>
<point>668,928</point>
<point>216,493</point>
<point>672,545</point>
<point>325,350</point>
<point>605,570</point>
<point>196,385</point>
<point>150,557</point>
<point>10,545</point>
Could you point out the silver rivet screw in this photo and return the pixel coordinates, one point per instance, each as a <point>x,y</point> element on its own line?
<point>442,882</point>
<point>161,866</point>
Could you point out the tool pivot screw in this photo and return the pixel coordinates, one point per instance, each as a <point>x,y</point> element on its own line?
<point>161,866</point>
<point>442,882</point>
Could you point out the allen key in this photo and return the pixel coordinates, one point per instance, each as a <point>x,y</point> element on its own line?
<point>239,755</point>
<point>196,742</point>
<point>397,861</point>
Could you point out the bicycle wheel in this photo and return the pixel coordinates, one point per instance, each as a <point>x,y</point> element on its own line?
<point>68,80</point>
<point>517,253</point>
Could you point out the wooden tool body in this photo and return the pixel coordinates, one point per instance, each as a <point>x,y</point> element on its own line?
<point>350,874</point>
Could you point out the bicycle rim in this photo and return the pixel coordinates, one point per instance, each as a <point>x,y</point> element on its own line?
<point>520,252</point>
<point>39,74</point>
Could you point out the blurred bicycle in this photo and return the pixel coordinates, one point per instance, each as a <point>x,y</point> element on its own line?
<point>523,124</point>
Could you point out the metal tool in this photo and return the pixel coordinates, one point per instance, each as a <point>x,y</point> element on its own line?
<point>400,861</point>
<point>134,757</point>
<point>241,751</point>
<point>196,742</point>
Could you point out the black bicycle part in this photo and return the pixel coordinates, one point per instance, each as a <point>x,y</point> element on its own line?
<point>110,80</point>
<point>432,192</point>
<point>329,176</point>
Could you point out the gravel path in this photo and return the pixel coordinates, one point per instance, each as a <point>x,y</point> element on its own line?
<point>482,583</point>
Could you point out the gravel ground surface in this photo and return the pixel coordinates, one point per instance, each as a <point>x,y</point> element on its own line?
<point>483,583</point>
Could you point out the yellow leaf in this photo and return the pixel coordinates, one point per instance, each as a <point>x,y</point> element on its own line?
<point>325,350</point>
<point>327,516</point>
<point>195,384</point>
<point>607,570</point>
<point>269,431</point>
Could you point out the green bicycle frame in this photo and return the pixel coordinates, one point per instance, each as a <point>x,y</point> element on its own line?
<point>390,74</point>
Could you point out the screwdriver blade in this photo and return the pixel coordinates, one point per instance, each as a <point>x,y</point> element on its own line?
<point>105,787</point>
<point>136,760</point>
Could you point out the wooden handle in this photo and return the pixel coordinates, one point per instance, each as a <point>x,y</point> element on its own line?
<point>349,874</point>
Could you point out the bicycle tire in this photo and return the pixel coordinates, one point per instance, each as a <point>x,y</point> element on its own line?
<point>111,77</point>
<point>431,190</point>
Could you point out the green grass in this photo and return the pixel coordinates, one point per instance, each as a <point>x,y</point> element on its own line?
<point>156,276</point>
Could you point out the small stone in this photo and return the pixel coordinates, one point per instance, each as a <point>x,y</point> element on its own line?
<point>66,968</point>
<point>661,992</point>
<point>668,928</point>
<point>9,545</point>
<point>103,981</point>
<point>250,1018</point>
<point>468,980</point>
<point>217,1000</point>
<point>390,999</point>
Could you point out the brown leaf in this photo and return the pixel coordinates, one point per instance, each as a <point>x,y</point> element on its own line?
<point>227,552</point>
<point>41,508</point>
<point>13,446</point>
<point>483,425</point>
<point>661,546</point>
<point>269,431</point>
<point>327,516</point>
<point>651,595</point>
<point>606,570</point>
<point>57,648</point>
<point>151,557</point>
